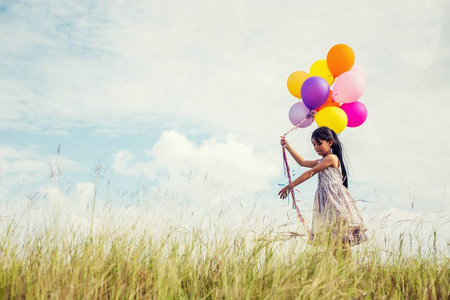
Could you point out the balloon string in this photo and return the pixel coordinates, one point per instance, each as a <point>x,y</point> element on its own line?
<point>288,174</point>
<point>294,203</point>
<point>312,114</point>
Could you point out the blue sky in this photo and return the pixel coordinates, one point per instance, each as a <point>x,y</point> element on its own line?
<point>192,97</point>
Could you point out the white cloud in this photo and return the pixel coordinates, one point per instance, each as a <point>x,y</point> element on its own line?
<point>54,195</point>
<point>21,169</point>
<point>153,62</point>
<point>213,169</point>
<point>21,165</point>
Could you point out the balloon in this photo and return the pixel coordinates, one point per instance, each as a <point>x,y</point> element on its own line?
<point>295,82</point>
<point>329,102</point>
<point>299,113</point>
<point>360,70</point>
<point>315,91</point>
<point>356,113</point>
<point>333,104</point>
<point>348,87</point>
<point>332,117</point>
<point>340,59</point>
<point>320,68</point>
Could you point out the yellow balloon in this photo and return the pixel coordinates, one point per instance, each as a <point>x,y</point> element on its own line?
<point>295,82</point>
<point>320,68</point>
<point>333,117</point>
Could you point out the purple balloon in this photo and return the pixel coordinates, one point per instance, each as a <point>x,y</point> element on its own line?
<point>314,92</point>
<point>299,113</point>
<point>356,113</point>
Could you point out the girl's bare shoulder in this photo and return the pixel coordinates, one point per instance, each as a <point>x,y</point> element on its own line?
<point>336,162</point>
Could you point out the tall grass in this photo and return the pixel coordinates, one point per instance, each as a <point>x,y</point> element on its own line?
<point>87,250</point>
<point>187,264</point>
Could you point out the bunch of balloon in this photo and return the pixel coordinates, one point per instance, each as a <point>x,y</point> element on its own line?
<point>329,94</point>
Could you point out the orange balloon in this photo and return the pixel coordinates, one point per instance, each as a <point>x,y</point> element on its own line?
<point>340,59</point>
<point>329,102</point>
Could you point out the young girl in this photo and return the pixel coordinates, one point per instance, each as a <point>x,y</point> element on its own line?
<point>335,215</point>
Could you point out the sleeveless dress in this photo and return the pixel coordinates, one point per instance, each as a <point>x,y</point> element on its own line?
<point>335,215</point>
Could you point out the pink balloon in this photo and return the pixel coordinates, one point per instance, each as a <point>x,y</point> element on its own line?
<point>356,113</point>
<point>299,113</point>
<point>360,70</point>
<point>348,87</point>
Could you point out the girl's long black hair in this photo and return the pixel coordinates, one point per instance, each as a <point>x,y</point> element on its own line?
<point>326,134</point>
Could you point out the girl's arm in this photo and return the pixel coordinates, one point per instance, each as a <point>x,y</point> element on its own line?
<point>297,157</point>
<point>325,163</point>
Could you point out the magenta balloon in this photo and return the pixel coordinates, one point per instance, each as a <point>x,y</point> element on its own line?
<point>300,113</point>
<point>356,113</point>
<point>314,92</point>
<point>348,87</point>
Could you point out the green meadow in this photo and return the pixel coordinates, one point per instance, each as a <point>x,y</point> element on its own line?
<point>172,262</point>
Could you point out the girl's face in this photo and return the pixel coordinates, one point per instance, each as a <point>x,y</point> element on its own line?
<point>322,147</point>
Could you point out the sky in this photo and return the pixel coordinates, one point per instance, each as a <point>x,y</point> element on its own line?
<point>188,100</point>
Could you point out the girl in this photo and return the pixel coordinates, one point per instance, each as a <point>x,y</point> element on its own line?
<point>336,218</point>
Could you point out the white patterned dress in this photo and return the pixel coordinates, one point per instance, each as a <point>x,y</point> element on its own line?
<point>335,214</point>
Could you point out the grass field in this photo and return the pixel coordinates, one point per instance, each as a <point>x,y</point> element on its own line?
<point>164,261</point>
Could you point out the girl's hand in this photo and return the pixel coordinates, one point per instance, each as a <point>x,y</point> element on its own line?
<point>284,142</point>
<point>284,192</point>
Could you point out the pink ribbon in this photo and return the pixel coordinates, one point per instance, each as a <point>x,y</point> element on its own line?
<point>288,173</point>
<point>294,202</point>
